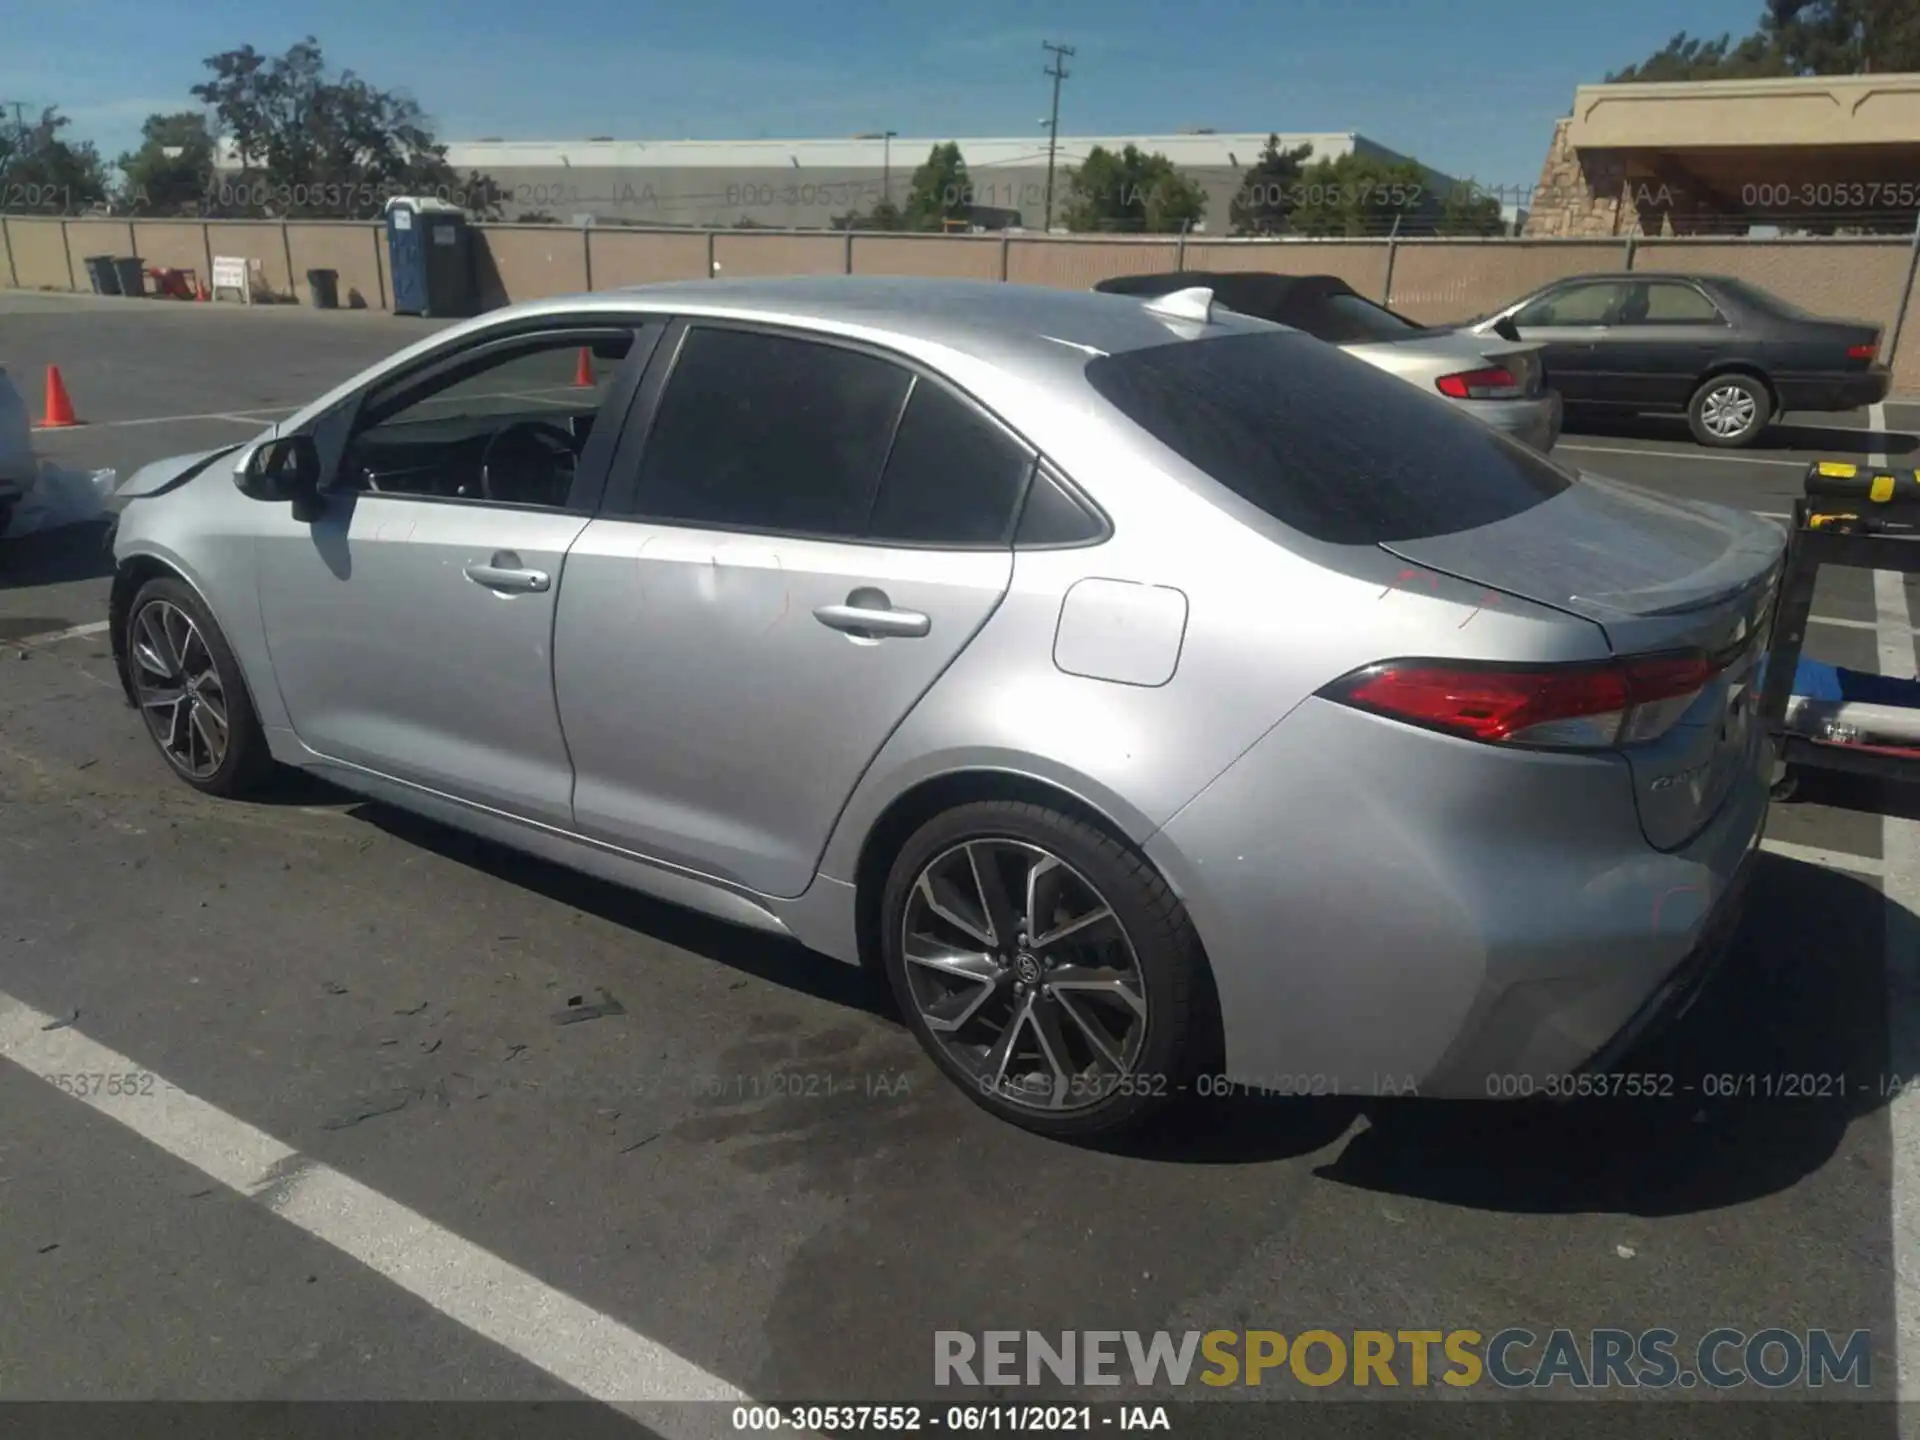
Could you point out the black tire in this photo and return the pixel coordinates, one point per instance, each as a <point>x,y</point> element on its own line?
<point>6,517</point>
<point>1180,1040</point>
<point>1720,395</point>
<point>247,763</point>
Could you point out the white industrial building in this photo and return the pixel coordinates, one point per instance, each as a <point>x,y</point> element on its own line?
<point>809,183</point>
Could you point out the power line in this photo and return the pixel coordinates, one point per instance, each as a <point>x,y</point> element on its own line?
<point>1058,70</point>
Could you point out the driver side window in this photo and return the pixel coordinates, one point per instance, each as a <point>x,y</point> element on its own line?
<point>506,425</point>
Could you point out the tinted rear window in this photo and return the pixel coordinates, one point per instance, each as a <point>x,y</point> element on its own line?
<point>1326,444</point>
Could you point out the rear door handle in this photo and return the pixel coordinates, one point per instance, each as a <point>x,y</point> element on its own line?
<point>872,621</point>
<point>509,579</point>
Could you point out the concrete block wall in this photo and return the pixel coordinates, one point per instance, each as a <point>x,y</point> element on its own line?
<point>1433,281</point>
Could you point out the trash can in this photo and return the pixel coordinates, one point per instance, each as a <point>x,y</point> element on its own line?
<point>100,271</point>
<point>430,252</point>
<point>323,289</point>
<point>133,279</point>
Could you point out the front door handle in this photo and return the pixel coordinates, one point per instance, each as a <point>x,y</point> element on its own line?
<point>506,575</point>
<point>869,615</point>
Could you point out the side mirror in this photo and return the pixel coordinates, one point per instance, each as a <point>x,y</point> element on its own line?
<point>287,468</point>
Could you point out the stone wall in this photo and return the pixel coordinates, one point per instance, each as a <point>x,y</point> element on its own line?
<point>1578,197</point>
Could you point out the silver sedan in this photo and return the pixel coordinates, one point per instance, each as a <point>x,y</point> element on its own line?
<point>1494,378</point>
<point>1160,699</point>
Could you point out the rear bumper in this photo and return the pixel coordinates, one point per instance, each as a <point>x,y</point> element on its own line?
<point>1833,392</point>
<point>1676,995</point>
<point>1531,422</point>
<point>1388,910</point>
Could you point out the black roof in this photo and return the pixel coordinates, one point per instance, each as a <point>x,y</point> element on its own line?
<point>1302,301</point>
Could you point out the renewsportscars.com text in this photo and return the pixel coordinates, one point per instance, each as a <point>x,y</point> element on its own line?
<point>1513,1358</point>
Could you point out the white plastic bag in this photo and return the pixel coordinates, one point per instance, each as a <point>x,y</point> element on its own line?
<point>61,497</point>
<point>53,496</point>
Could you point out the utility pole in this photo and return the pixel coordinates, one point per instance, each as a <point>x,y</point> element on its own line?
<point>886,165</point>
<point>1058,70</point>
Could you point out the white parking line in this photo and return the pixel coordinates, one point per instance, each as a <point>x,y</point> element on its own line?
<point>1733,456</point>
<point>262,418</point>
<point>1877,626</point>
<point>72,632</point>
<point>1900,845</point>
<point>589,1351</point>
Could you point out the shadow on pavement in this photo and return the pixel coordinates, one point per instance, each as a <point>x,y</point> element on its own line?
<point>55,557</point>
<point>1802,995</point>
<point>765,957</point>
<point>1794,1025</point>
<point>1838,790</point>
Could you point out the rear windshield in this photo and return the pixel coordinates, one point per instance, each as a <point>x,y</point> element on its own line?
<point>1324,443</point>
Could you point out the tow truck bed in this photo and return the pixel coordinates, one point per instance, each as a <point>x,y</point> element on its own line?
<point>1820,716</point>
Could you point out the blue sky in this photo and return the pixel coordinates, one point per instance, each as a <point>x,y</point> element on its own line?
<point>1471,87</point>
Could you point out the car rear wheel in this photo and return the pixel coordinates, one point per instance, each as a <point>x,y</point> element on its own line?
<point>188,688</point>
<point>1047,968</point>
<point>1729,411</point>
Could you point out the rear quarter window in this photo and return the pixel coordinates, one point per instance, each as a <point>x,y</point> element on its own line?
<point>1324,443</point>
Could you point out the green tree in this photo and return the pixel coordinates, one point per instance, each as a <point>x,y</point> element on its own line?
<point>311,142</point>
<point>171,171</point>
<point>1132,192</point>
<point>1266,194</point>
<point>1689,57</point>
<point>1796,37</point>
<point>1466,209</point>
<point>885,215</point>
<point>1358,195</point>
<point>39,171</point>
<point>941,190</point>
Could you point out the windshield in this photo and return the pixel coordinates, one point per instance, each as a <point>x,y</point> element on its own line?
<point>1326,444</point>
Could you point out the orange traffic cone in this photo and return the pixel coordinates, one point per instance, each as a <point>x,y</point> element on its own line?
<point>59,407</point>
<point>583,372</point>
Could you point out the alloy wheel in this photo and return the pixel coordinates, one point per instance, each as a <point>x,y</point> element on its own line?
<point>177,683</point>
<point>1728,411</point>
<point>1024,975</point>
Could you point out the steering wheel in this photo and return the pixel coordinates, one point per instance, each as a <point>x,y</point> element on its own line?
<point>537,446</point>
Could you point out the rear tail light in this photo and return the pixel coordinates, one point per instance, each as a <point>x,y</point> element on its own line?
<point>1573,707</point>
<point>1497,383</point>
<point>1863,352</point>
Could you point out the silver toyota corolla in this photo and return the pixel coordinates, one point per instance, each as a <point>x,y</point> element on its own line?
<point>1158,697</point>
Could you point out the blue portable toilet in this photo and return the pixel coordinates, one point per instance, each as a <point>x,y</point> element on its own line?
<point>431,256</point>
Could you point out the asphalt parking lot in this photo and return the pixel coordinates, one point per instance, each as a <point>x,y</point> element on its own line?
<point>739,1178</point>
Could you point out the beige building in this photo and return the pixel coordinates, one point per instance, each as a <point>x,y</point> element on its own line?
<point>1733,156</point>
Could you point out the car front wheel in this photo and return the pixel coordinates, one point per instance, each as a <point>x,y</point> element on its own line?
<point>1047,968</point>
<point>1729,411</point>
<point>188,688</point>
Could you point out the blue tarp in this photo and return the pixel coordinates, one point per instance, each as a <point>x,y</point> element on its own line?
<point>1830,683</point>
